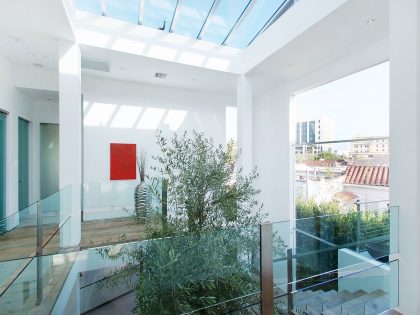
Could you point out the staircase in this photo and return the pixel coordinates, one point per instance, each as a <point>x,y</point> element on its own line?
<point>332,302</point>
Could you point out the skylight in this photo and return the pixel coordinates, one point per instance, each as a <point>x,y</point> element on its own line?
<point>234,23</point>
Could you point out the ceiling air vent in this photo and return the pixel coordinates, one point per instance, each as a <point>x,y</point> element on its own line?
<point>160,75</point>
<point>94,64</point>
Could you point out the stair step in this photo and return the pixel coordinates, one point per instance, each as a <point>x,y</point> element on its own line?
<point>378,305</point>
<point>357,305</point>
<point>309,298</point>
<point>347,298</point>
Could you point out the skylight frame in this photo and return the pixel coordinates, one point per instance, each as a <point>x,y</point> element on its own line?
<point>223,29</point>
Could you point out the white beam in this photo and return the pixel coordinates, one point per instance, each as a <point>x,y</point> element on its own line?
<point>404,144</point>
<point>245,132</point>
<point>70,119</point>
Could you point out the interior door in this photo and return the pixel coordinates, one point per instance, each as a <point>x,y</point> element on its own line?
<point>2,166</point>
<point>49,157</point>
<point>23,159</point>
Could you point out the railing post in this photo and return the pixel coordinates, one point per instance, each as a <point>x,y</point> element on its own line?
<point>358,226</point>
<point>38,253</point>
<point>266,268</point>
<point>290,305</point>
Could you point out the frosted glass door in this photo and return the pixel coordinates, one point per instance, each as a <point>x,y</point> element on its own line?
<point>2,165</point>
<point>23,163</point>
<point>49,172</point>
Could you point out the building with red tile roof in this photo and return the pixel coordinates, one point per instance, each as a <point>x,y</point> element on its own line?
<point>367,175</point>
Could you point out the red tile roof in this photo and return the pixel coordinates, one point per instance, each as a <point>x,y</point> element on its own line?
<point>345,196</point>
<point>321,163</point>
<point>367,175</point>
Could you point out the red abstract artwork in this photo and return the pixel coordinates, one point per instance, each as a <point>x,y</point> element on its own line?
<point>123,161</point>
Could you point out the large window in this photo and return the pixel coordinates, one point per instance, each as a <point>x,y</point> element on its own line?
<point>342,156</point>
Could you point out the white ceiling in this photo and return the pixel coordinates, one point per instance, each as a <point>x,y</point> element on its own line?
<point>30,31</point>
<point>45,18</point>
<point>27,50</point>
<point>128,67</point>
<point>340,34</point>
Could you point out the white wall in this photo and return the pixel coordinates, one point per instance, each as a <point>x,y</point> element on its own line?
<point>274,133</point>
<point>404,132</point>
<point>43,112</point>
<point>127,112</point>
<point>368,193</point>
<point>18,104</point>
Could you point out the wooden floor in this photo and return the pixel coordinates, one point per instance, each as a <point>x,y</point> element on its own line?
<point>20,242</point>
<point>111,231</point>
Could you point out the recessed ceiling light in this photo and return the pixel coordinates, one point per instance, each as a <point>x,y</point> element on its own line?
<point>160,75</point>
<point>371,21</point>
<point>29,54</point>
<point>38,65</point>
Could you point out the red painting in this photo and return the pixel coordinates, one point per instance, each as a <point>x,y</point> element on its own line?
<point>123,161</point>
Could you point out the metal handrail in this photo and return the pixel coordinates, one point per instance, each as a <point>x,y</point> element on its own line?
<point>342,141</point>
<point>335,271</point>
<point>358,202</point>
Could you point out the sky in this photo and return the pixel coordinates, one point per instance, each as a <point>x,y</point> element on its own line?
<point>359,103</point>
<point>191,16</point>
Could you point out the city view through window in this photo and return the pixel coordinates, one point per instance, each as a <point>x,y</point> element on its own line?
<point>342,144</point>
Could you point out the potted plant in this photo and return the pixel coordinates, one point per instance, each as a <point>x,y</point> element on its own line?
<point>141,191</point>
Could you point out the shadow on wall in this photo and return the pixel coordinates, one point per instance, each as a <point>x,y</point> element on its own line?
<point>131,117</point>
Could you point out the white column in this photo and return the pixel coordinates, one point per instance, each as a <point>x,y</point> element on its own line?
<point>70,118</point>
<point>404,144</point>
<point>244,105</point>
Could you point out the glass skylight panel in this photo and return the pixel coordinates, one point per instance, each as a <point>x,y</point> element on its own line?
<point>234,23</point>
<point>223,19</point>
<point>191,17</point>
<point>254,21</point>
<point>91,6</point>
<point>126,10</point>
<point>156,12</point>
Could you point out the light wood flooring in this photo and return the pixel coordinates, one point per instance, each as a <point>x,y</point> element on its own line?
<point>111,231</point>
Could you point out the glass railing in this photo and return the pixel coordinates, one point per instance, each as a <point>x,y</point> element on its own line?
<point>218,272</point>
<point>34,283</point>
<point>30,237</point>
<point>18,238</point>
<point>185,273</point>
<point>366,288</point>
<point>26,231</point>
<point>59,240</point>
<point>115,199</point>
<point>325,243</point>
<point>218,256</point>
